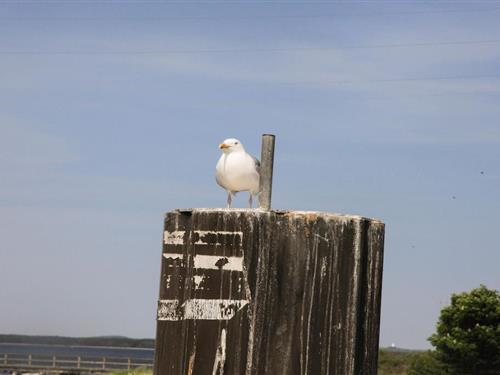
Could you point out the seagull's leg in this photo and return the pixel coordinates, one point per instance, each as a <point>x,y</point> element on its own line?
<point>229,199</point>
<point>250,200</point>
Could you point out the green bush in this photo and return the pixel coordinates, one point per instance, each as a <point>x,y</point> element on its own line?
<point>467,338</point>
<point>393,363</point>
<point>427,363</point>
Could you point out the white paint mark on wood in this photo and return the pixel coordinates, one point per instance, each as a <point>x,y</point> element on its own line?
<point>223,232</point>
<point>199,309</point>
<point>198,280</point>
<point>174,238</point>
<point>212,262</point>
<point>218,262</point>
<point>322,238</point>
<point>173,256</point>
<point>324,266</point>
<point>169,280</point>
<point>175,260</point>
<point>168,309</point>
<point>220,355</point>
<point>177,237</point>
<point>191,363</point>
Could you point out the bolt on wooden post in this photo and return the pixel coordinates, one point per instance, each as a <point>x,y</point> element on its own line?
<point>268,292</point>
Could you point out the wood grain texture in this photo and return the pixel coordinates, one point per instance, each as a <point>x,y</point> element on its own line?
<point>312,282</point>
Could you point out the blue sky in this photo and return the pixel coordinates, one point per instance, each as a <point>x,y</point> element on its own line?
<point>111,113</point>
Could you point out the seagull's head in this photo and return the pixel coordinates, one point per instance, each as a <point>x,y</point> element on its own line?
<point>231,145</point>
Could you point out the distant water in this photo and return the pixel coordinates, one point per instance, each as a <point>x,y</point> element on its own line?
<point>82,351</point>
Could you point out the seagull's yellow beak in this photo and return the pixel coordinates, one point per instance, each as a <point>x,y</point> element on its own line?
<point>223,146</point>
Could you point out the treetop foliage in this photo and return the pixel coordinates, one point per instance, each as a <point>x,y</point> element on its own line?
<point>467,338</point>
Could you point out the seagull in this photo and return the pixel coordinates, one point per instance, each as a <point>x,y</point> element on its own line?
<point>237,170</point>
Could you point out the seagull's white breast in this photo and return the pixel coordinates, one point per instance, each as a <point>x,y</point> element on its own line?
<point>237,171</point>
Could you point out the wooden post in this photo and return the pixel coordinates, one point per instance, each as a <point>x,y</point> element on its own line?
<point>255,292</point>
<point>104,363</point>
<point>53,361</point>
<point>78,362</point>
<point>5,359</point>
<point>266,171</point>
<point>29,360</point>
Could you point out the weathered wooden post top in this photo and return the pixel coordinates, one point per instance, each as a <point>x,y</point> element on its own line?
<point>268,292</point>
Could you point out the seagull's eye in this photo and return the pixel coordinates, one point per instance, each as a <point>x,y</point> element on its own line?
<point>235,143</point>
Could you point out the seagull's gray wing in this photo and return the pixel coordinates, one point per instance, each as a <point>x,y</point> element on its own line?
<point>257,164</point>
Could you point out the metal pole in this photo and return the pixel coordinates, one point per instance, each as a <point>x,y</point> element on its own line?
<point>266,171</point>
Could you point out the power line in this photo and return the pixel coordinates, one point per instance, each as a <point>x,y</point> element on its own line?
<point>430,95</point>
<point>248,50</point>
<point>415,79</point>
<point>246,2</point>
<point>392,80</point>
<point>264,16</point>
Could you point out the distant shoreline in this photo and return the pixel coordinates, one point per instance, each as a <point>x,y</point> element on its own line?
<point>74,346</point>
<point>79,342</point>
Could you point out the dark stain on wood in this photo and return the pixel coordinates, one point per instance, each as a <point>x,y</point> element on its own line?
<point>269,293</point>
